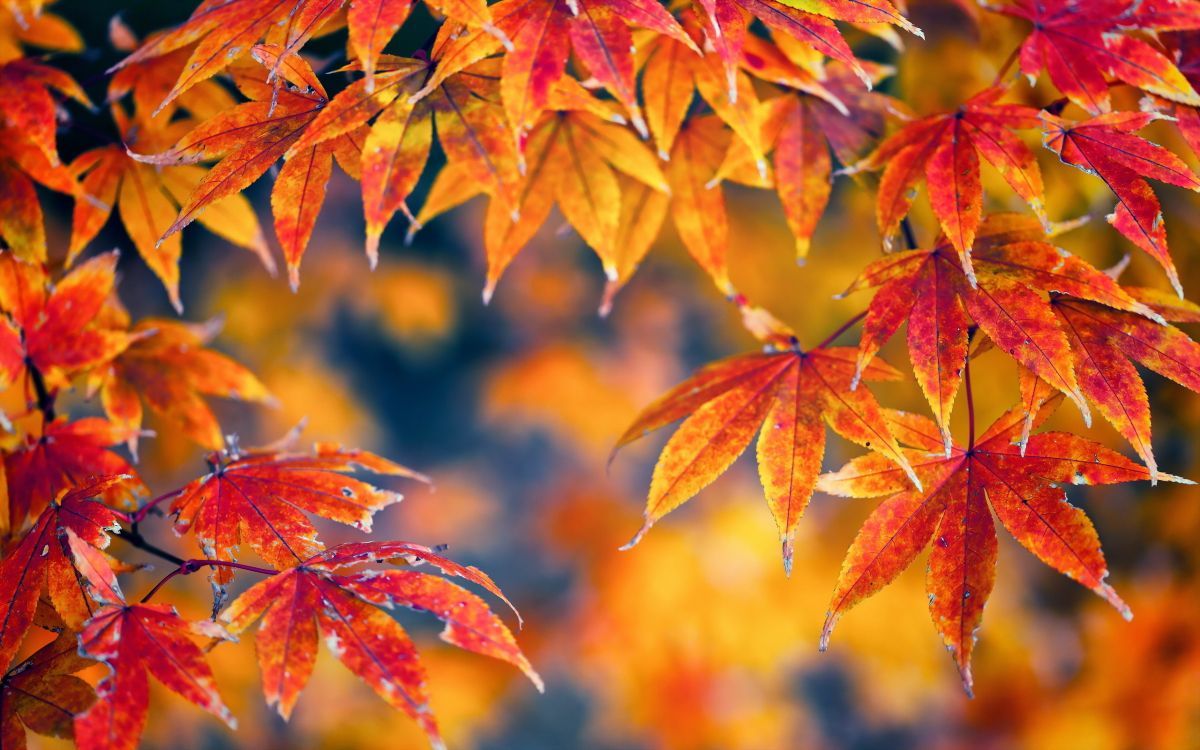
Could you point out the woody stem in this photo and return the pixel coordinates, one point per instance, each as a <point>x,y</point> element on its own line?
<point>187,567</point>
<point>135,539</point>
<point>45,399</point>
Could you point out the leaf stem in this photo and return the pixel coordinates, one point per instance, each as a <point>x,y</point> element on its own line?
<point>1058,105</point>
<point>840,330</point>
<point>187,567</point>
<point>970,404</point>
<point>1007,65</point>
<point>910,237</point>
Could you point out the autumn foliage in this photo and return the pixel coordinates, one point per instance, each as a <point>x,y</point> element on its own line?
<point>613,115</point>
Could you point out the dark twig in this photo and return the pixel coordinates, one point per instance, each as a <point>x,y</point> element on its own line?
<point>134,538</point>
<point>187,567</point>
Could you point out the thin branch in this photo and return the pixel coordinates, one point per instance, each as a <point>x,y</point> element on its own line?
<point>145,510</point>
<point>910,237</point>
<point>840,330</point>
<point>187,567</point>
<point>45,399</point>
<point>134,538</point>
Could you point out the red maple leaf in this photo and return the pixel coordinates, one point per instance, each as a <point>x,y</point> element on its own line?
<point>1079,43</point>
<point>954,511</point>
<point>136,641</point>
<point>55,555</point>
<point>1106,146</point>
<point>348,608</point>
<point>260,499</point>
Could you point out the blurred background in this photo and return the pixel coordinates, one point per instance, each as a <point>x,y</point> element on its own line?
<point>695,639</point>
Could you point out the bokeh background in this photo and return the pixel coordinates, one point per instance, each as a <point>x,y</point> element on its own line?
<point>695,639</point>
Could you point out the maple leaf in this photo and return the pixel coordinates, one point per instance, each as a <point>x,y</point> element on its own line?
<point>1106,147</point>
<point>29,150</point>
<point>1024,490</point>
<point>831,110</point>
<point>945,151</point>
<point>29,106</point>
<point>544,32</point>
<point>251,137</point>
<point>463,102</point>
<point>135,641</point>
<point>806,20</point>
<point>56,332</point>
<point>831,114</point>
<point>787,394</point>
<point>1105,343</point>
<point>65,454</point>
<point>221,30</point>
<point>169,368</point>
<point>1078,44</point>
<point>260,498</point>
<point>698,207</point>
<point>320,597</point>
<point>43,695</point>
<point>44,30</point>
<point>52,556</point>
<point>1016,269</point>
<point>1184,48</point>
<point>572,158</point>
<point>148,82</point>
<point>147,200</point>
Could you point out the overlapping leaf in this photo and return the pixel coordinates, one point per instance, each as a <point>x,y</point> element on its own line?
<point>42,693</point>
<point>1106,146</point>
<point>134,642</point>
<point>148,199</point>
<point>1105,344</point>
<point>1079,43</point>
<point>219,31</point>
<point>784,397</point>
<point>321,597</point>
<point>809,22</point>
<point>945,151</point>
<point>573,158</point>
<point>59,554</point>
<point>169,369</point>
<point>62,457</point>
<point>29,150</point>
<point>1016,269</point>
<point>259,499</point>
<point>544,33</point>
<point>954,511</point>
<point>834,114</point>
<point>56,332</point>
<point>247,140</point>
